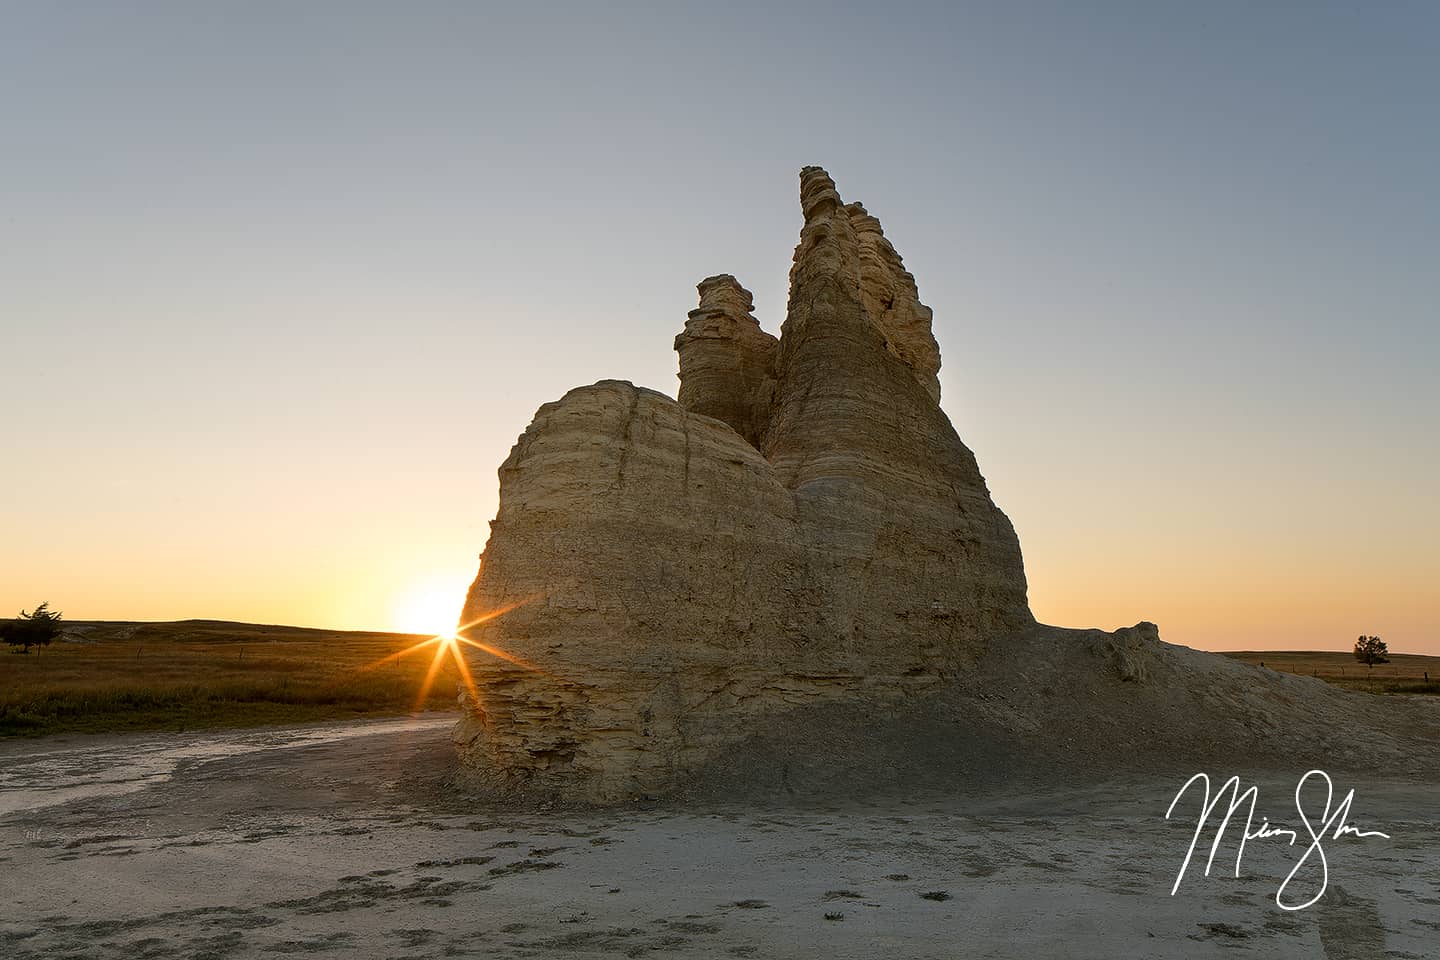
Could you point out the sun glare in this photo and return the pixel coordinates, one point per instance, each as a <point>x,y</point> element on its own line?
<point>431,607</point>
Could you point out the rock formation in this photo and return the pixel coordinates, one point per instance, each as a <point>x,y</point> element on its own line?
<point>802,526</point>
<point>727,363</point>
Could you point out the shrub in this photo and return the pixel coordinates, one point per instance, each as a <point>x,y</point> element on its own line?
<point>36,629</point>
<point>1371,650</point>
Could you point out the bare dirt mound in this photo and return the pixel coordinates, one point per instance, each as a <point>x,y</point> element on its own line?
<point>1058,706</point>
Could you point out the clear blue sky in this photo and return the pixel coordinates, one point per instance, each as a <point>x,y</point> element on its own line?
<point>281,283</point>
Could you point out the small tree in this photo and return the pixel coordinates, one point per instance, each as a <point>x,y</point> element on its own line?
<point>1371,650</point>
<point>36,629</point>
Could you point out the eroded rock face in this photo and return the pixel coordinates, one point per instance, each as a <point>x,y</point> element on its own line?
<point>893,303</point>
<point>803,525</point>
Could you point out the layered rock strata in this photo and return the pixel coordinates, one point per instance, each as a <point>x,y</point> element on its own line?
<point>803,525</point>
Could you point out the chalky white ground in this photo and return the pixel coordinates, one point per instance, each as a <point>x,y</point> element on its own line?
<point>352,841</point>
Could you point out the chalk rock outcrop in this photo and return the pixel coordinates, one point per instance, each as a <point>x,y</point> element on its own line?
<point>802,526</point>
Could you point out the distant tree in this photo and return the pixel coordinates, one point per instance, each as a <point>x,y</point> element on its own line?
<point>36,629</point>
<point>1371,650</point>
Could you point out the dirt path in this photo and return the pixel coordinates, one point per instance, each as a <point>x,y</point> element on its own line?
<point>349,842</point>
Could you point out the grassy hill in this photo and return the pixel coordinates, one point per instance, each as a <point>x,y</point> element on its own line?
<point>110,676</point>
<point>1405,673</point>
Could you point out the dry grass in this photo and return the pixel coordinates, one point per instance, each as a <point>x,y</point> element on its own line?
<point>106,676</point>
<point>1405,673</point>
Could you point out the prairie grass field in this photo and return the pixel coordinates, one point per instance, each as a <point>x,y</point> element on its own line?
<point>113,676</point>
<point>1405,673</point>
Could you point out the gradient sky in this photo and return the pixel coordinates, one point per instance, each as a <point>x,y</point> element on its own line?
<point>280,283</point>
